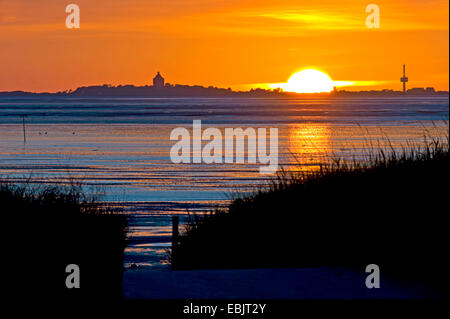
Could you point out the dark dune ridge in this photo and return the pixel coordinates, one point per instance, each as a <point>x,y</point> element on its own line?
<point>55,226</point>
<point>387,211</point>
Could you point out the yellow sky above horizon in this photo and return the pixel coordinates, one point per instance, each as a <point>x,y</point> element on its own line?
<point>225,43</point>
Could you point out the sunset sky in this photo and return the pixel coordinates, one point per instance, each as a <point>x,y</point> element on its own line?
<point>226,43</point>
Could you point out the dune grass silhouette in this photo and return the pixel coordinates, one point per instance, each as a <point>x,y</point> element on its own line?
<point>54,226</point>
<point>387,210</point>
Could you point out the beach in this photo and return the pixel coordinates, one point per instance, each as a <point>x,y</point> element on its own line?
<point>281,283</point>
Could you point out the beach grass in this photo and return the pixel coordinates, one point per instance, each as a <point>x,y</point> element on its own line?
<point>51,227</point>
<point>387,209</point>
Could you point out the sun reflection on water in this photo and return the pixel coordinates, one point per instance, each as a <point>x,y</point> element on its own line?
<point>309,145</point>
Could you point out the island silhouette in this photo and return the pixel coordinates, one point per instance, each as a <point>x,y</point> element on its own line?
<point>162,89</point>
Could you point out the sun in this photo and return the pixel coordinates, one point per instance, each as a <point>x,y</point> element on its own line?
<point>309,81</point>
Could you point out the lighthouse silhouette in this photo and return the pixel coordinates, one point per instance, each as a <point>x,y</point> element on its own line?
<point>404,79</point>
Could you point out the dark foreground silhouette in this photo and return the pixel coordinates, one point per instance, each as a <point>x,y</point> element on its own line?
<point>50,228</point>
<point>389,211</point>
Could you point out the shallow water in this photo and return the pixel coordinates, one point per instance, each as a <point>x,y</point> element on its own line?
<point>120,147</point>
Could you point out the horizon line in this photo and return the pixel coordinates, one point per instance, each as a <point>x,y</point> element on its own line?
<point>229,89</point>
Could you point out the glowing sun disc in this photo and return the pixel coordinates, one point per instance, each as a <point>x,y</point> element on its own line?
<point>309,81</point>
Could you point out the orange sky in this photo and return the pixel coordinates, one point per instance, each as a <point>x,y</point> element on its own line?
<point>222,43</point>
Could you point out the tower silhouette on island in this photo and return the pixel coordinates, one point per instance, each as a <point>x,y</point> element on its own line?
<point>404,79</point>
<point>158,81</point>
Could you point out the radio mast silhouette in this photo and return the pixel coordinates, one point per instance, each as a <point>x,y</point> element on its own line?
<point>404,79</point>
